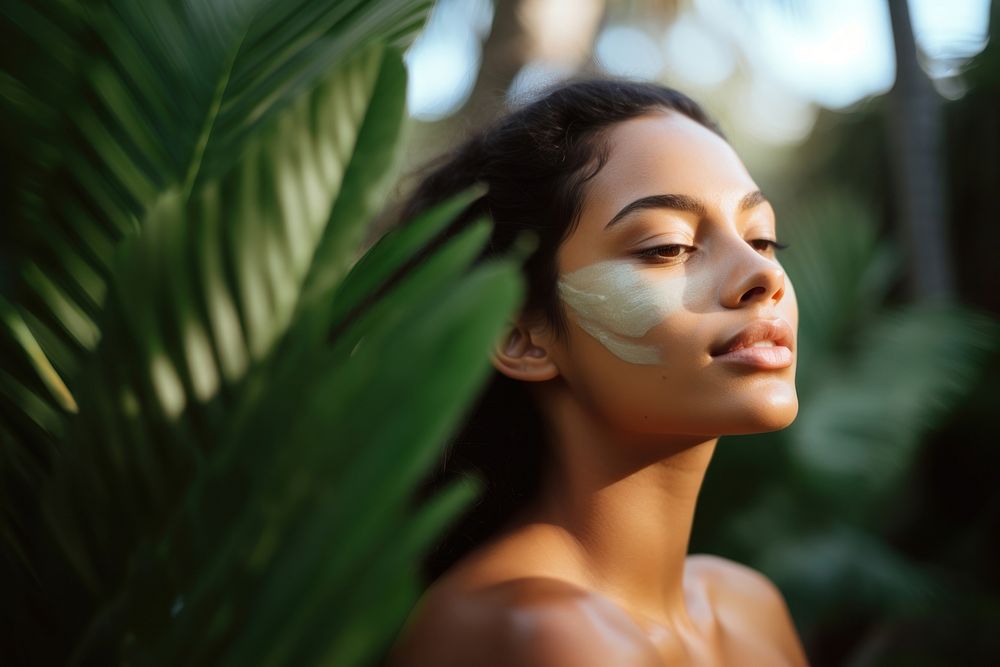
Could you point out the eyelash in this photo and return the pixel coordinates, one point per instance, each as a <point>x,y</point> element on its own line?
<point>651,253</point>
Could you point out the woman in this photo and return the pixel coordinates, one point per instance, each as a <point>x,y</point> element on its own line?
<point>658,318</point>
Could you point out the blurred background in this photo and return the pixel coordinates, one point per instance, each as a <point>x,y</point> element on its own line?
<point>874,128</point>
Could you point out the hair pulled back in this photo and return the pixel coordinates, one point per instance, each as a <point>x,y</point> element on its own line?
<point>535,163</point>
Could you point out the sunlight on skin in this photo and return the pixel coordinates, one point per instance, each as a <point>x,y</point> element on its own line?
<point>621,299</point>
<point>647,327</point>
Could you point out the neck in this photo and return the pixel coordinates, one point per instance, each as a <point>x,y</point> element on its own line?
<point>627,501</point>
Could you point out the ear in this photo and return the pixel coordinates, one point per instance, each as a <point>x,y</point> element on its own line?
<point>522,353</point>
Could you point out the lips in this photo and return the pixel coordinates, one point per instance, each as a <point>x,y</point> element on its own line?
<point>756,335</point>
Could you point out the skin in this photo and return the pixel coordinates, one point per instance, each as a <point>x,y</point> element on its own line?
<point>597,571</point>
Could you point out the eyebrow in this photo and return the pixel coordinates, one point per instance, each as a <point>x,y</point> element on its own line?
<point>680,203</point>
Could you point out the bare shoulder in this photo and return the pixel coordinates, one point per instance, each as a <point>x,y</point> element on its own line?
<point>531,621</point>
<point>749,603</point>
<point>733,578</point>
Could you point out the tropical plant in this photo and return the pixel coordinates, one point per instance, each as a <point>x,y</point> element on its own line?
<point>213,411</point>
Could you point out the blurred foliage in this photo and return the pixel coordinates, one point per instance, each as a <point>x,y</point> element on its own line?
<point>209,433</point>
<point>876,511</point>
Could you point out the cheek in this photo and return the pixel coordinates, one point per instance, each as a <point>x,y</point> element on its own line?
<point>644,399</point>
<point>615,304</point>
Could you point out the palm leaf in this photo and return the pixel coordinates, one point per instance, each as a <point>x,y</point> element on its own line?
<point>62,245</point>
<point>286,568</point>
<point>172,93</point>
<point>440,347</point>
<point>212,337</point>
<point>178,343</point>
<point>392,252</point>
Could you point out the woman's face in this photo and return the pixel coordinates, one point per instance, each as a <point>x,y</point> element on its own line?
<point>670,262</point>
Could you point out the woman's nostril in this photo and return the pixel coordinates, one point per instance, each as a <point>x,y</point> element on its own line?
<point>749,294</point>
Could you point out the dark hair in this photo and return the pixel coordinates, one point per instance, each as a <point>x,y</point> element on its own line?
<point>534,162</point>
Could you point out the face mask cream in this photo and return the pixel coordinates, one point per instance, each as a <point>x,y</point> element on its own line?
<point>614,302</point>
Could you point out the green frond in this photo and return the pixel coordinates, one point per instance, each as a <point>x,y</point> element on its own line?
<point>237,413</point>
<point>859,432</point>
<point>201,296</point>
<point>826,573</point>
<point>171,94</point>
<point>329,452</point>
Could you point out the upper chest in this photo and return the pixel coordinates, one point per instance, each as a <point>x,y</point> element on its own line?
<point>715,645</point>
<point>724,627</point>
<point>721,631</point>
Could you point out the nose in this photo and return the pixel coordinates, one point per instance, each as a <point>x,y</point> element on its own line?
<point>757,279</point>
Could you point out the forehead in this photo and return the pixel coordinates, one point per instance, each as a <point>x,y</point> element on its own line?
<point>665,153</point>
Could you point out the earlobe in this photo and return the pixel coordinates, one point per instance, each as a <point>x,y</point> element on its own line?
<point>520,355</point>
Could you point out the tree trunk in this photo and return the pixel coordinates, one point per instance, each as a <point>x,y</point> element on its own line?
<point>915,141</point>
<point>505,52</point>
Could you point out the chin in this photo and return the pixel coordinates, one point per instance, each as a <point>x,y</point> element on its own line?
<point>763,408</point>
<point>758,414</point>
<point>778,411</point>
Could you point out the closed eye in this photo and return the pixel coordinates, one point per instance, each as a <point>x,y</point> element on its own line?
<point>678,250</point>
<point>671,251</point>
<point>767,244</point>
